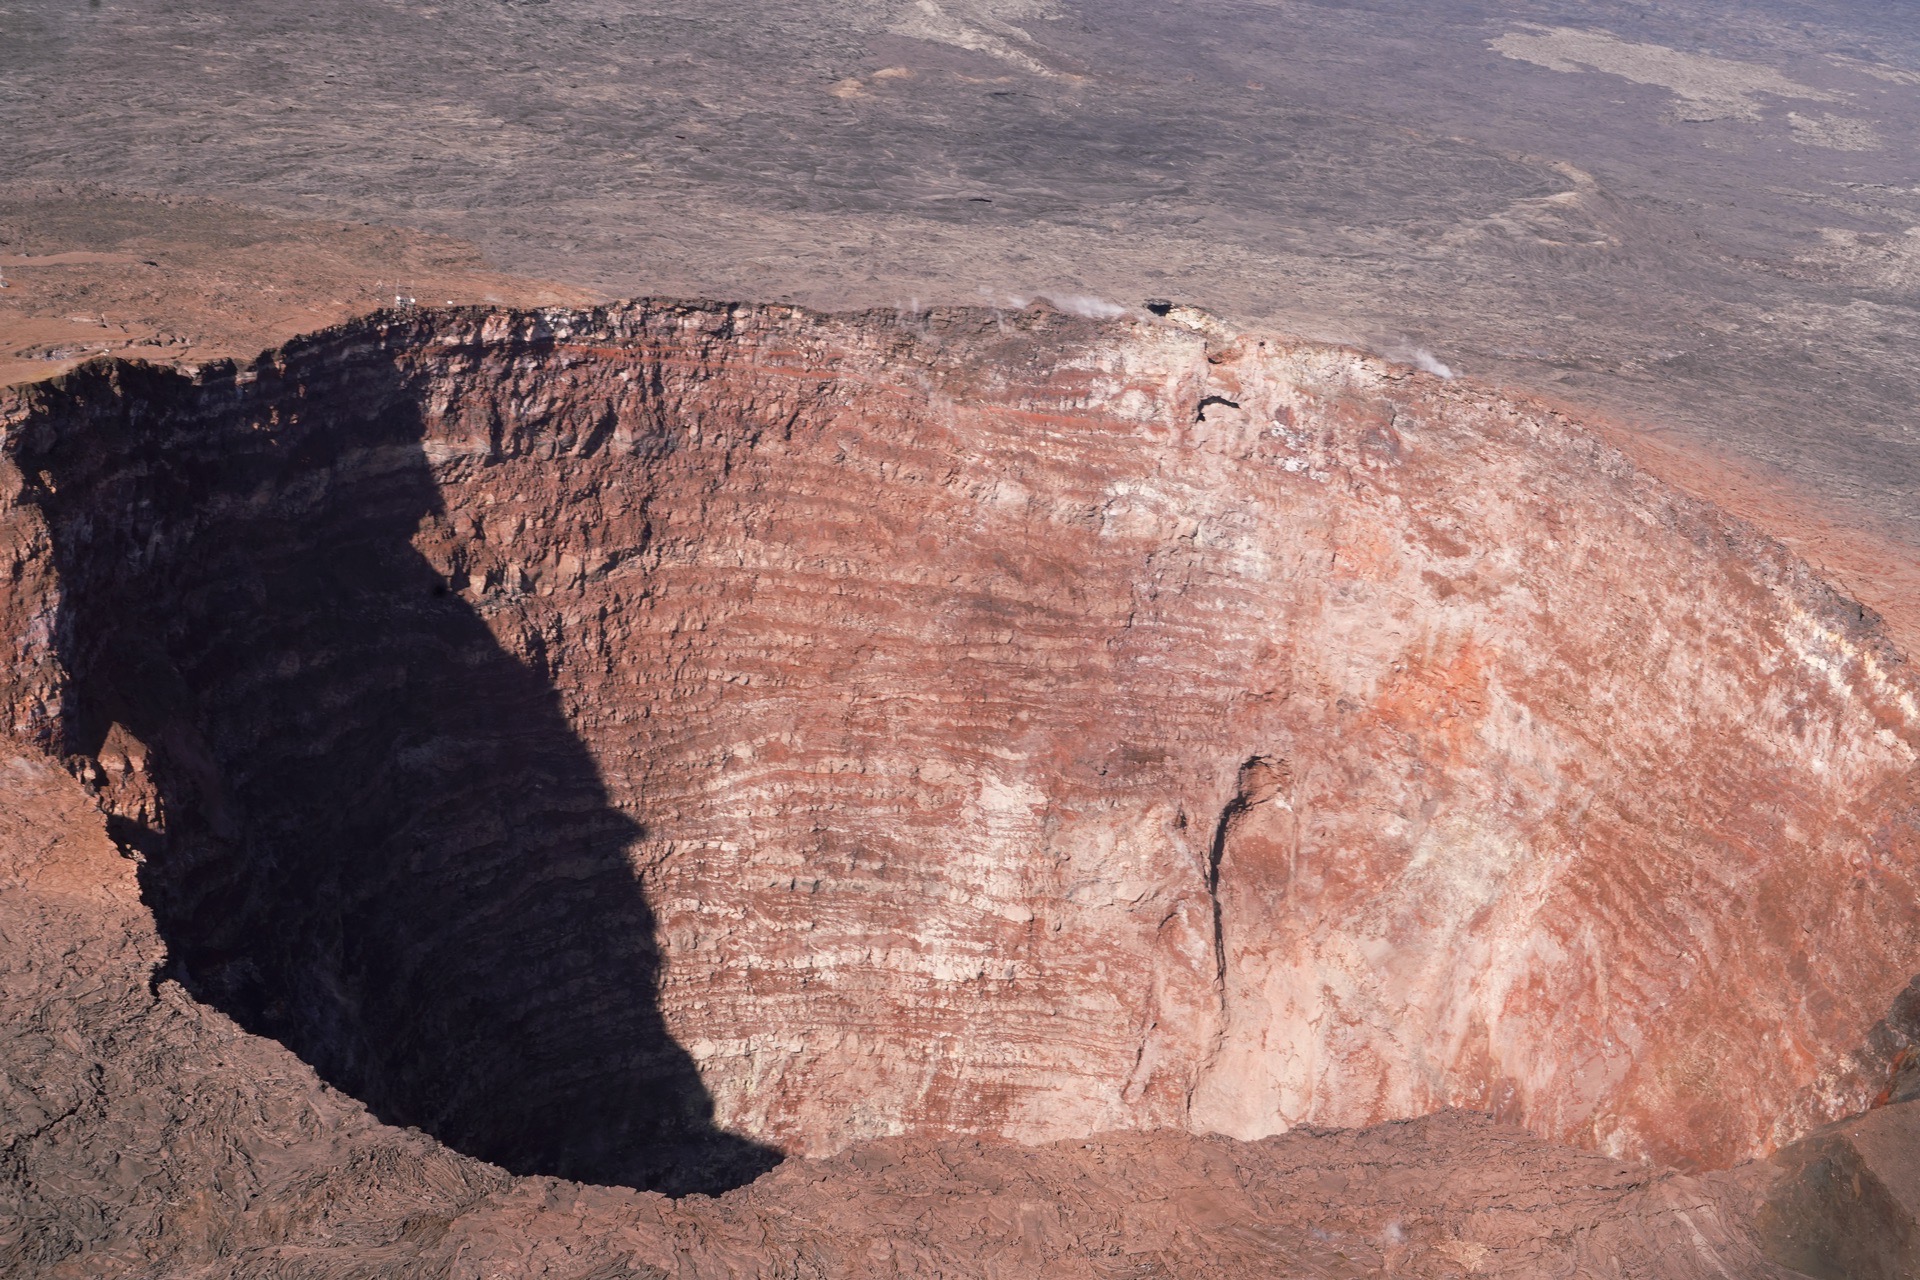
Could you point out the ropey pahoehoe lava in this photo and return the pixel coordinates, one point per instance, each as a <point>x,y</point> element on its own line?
<point>629,745</point>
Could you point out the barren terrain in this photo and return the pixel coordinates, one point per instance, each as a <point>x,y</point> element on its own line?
<point>1694,221</point>
<point>1395,758</point>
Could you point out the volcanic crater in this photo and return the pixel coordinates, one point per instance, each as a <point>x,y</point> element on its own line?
<point>633,745</point>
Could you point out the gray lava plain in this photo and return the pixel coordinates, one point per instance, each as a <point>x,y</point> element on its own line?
<point>1701,218</point>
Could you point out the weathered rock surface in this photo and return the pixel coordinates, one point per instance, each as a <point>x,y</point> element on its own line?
<point>1848,1205</point>
<point>147,1135</point>
<point>611,742</point>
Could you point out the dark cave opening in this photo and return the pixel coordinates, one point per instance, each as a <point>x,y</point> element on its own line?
<point>366,829</point>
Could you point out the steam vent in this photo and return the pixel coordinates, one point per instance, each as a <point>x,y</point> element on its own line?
<point>688,789</point>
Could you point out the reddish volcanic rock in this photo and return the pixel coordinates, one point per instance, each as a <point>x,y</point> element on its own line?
<point>1848,1205</point>
<point>147,1135</point>
<point>589,737</point>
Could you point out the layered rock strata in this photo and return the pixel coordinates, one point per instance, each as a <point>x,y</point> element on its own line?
<point>143,1134</point>
<point>627,743</point>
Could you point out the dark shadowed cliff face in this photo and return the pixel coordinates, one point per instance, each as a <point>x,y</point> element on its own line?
<point>588,736</point>
<point>367,830</point>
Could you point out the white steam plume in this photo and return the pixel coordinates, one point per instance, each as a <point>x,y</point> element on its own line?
<point>1081,304</point>
<point>1402,351</point>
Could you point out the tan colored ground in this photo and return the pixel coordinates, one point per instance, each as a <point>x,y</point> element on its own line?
<point>186,280</point>
<point>1855,552</point>
<point>183,281</point>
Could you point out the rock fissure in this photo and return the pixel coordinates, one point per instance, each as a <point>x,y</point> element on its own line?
<point>1235,807</point>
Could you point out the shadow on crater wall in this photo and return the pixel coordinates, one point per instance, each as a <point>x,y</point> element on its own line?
<point>368,831</point>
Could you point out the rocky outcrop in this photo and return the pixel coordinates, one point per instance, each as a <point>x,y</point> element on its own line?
<point>1847,1206</point>
<point>629,744</point>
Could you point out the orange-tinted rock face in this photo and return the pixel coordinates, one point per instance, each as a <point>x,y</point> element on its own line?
<point>1005,725</point>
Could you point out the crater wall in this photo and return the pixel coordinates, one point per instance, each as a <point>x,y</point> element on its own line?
<point>826,728</point>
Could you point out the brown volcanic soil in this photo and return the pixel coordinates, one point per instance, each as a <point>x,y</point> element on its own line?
<point>1863,557</point>
<point>183,280</point>
<point>618,743</point>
